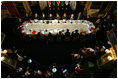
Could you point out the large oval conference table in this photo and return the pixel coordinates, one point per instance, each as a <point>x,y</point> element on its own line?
<point>54,26</point>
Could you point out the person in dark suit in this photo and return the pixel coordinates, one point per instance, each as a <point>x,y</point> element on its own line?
<point>50,17</point>
<point>20,22</point>
<point>27,17</point>
<point>72,17</point>
<point>76,34</point>
<point>57,16</point>
<point>79,16</point>
<point>67,33</point>
<point>64,16</point>
<point>43,16</point>
<point>36,16</point>
<point>88,18</point>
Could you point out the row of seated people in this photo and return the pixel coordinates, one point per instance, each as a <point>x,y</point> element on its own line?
<point>75,38</point>
<point>51,17</point>
<point>105,20</point>
<point>91,52</point>
<point>67,37</point>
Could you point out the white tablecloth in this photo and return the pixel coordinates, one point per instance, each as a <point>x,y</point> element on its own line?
<point>54,27</point>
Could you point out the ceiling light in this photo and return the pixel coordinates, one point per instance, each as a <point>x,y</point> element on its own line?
<point>109,58</point>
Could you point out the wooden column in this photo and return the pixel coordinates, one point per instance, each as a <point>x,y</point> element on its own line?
<point>27,7</point>
<point>87,7</point>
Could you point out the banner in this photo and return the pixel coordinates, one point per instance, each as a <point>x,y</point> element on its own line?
<point>58,3</point>
<point>62,3</point>
<point>42,4</point>
<point>73,5</point>
<point>49,3</point>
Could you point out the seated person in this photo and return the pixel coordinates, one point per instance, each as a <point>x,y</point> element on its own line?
<point>27,17</point>
<point>79,16</point>
<point>36,18</point>
<point>72,35</point>
<point>67,33</point>
<point>49,34</point>
<point>60,34</point>
<point>57,16</point>
<point>50,17</point>
<point>20,21</point>
<point>76,34</point>
<point>64,16</point>
<point>72,17</point>
<point>43,16</point>
<point>88,18</point>
<point>97,23</point>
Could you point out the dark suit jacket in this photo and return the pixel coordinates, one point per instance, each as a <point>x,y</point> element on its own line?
<point>50,18</point>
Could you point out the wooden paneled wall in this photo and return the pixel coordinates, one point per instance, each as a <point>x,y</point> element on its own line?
<point>11,8</point>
